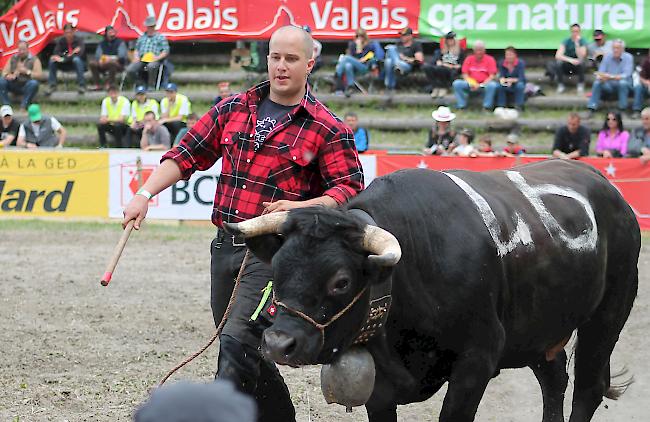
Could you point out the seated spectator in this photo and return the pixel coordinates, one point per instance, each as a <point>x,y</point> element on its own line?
<point>613,138</point>
<point>465,147</point>
<point>598,48</point>
<point>139,107</point>
<point>641,138</point>
<point>402,58</point>
<point>8,127</point>
<point>174,109</point>
<point>151,51</point>
<point>484,147</point>
<point>479,72</point>
<point>224,92</point>
<point>642,89</point>
<point>318,49</point>
<point>361,135</point>
<point>445,66</point>
<point>512,79</point>
<point>571,141</point>
<point>69,53</point>
<point>155,137</point>
<point>20,76</point>
<point>361,55</point>
<point>40,131</point>
<point>441,139</point>
<point>513,148</point>
<point>192,118</point>
<point>614,76</point>
<point>110,57</point>
<point>113,119</point>
<point>570,58</point>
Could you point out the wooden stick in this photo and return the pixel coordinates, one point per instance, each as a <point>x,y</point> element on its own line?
<point>117,252</point>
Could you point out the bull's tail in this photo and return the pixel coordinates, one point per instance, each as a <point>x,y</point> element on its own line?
<point>619,383</point>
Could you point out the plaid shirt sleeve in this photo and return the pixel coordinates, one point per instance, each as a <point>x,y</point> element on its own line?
<point>163,44</point>
<point>340,167</point>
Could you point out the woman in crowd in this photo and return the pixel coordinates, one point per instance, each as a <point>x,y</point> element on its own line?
<point>445,65</point>
<point>511,79</point>
<point>362,55</point>
<point>441,135</point>
<point>613,138</point>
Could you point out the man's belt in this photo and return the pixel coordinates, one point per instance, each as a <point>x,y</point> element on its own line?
<point>237,240</point>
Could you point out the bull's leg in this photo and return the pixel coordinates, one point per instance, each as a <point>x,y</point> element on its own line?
<point>553,378</point>
<point>381,406</point>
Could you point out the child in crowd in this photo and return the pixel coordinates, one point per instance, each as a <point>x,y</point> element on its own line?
<point>513,148</point>
<point>465,147</point>
<point>484,147</point>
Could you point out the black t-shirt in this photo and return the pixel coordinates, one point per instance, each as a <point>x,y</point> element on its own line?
<point>568,142</point>
<point>269,114</point>
<point>410,51</point>
<point>11,130</point>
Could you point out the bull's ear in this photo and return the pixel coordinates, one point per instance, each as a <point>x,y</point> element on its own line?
<point>265,246</point>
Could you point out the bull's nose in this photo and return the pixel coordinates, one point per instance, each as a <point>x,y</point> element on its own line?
<point>279,346</point>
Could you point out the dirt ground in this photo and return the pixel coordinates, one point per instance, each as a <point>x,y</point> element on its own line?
<point>71,350</point>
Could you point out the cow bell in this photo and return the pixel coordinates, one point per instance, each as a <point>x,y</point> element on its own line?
<point>350,379</point>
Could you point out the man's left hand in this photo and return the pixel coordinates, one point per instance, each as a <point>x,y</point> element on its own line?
<point>282,205</point>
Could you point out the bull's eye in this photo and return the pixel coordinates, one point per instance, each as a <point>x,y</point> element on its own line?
<point>339,286</point>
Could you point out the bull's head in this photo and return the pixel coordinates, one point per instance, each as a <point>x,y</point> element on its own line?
<point>323,264</point>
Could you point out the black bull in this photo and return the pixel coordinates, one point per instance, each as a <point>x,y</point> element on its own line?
<point>497,270</point>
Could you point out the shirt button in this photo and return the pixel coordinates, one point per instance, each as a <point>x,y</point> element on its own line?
<point>294,157</point>
<point>226,140</point>
<point>248,160</point>
<point>243,186</point>
<point>236,211</point>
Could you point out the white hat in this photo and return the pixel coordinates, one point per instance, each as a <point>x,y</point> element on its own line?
<point>6,110</point>
<point>443,114</point>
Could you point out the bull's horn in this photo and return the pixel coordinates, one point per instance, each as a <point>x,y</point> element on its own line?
<point>383,245</point>
<point>264,224</point>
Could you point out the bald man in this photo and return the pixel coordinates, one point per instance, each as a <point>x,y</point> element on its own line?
<point>282,149</point>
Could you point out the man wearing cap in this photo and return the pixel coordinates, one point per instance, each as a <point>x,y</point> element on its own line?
<point>151,50</point>
<point>139,107</point>
<point>40,130</point>
<point>69,52</point>
<point>110,57</point>
<point>598,48</point>
<point>442,137</point>
<point>20,76</point>
<point>113,117</point>
<point>8,127</point>
<point>402,58</point>
<point>174,109</point>
<point>479,72</point>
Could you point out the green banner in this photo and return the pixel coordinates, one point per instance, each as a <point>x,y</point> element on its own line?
<point>529,24</point>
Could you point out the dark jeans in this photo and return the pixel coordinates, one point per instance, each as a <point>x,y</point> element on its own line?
<point>138,69</point>
<point>559,70</point>
<point>118,130</point>
<point>439,76</point>
<point>134,137</point>
<point>174,128</point>
<point>239,358</point>
<point>75,64</point>
<point>111,68</point>
<point>27,89</point>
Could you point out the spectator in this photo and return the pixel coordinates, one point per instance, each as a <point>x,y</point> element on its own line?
<point>155,137</point>
<point>113,119</point>
<point>318,48</point>
<point>613,138</point>
<point>69,53</point>
<point>110,57</point>
<point>139,107</point>
<point>444,66</point>
<point>402,58</point>
<point>571,141</point>
<point>9,128</point>
<point>192,118</point>
<point>479,71</point>
<point>513,148</point>
<point>151,51</point>
<point>20,76</point>
<point>642,88</point>
<point>512,79</point>
<point>465,147</point>
<point>360,56</point>
<point>40,131</point>
<point>485,147</point>
<point>569,59</point>
<point>641,137</point>
<point>224,92</point>
<point>599,48</point>
<point>614,76</point>
<point>361,135</point>
<point>441,135</point>
<point>174,109</point>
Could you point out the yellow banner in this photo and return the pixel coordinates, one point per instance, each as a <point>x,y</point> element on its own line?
<point>54,183</point>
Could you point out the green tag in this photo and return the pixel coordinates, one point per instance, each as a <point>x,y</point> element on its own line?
<point>266,292</point>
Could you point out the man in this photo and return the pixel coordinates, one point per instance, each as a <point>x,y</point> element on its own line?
<point>571,141</point>
<point>641,137</point>
<point>8,127</point>
<point>224,92</point>
<point>361,135</point>
<point>139,107</point>
<point>642,88</point>
<point>20,76</point>
<point>599,48</point>
<point>40,131</point>
<point>192,118</point>
<point>281,149</point>
<point>569,59</point>
<point>113,118</point>
<point>479,73</point>
<point>614,76</point>
<point>155,137</point>
<point>151,50</point>
<point>174,109</point>
<point>69,52</point>
<point>402,58</point>
<point>110,57</point>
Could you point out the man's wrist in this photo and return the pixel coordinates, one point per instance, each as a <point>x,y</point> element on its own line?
<point>145,193</point>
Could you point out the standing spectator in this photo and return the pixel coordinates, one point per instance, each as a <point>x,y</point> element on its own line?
<point>40,131</point>
<point>441,135</point>
<point>513,147</point>
<point>174,109</point>
<point>512,79</point>
<point>598,48</point>
<point>402,58</point>
<point>192,118</point>
<point>151,51</point>
<point>360,56</point>
<point>155,137</point>
<point>113,119</point>
<point>569,59</point>
<point>110,57</point>
<point>479,71</point>
<point>571,141</point>
<point>614,76</point>
<point>9,127</point>
<point>639,144</point>
<point>69,53</point>
<point>20,76</point>
<point>465,147</point>
<point>444,66</point>
<point>613,138</point>
<point>642,89</point>
<point>224,92</point>
<point>139,107</point>
<point>361,135</point>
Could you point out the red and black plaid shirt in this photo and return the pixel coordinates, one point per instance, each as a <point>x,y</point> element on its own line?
<point>309,153</point>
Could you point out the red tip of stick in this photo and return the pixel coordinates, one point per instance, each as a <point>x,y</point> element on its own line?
<point>107,278</point>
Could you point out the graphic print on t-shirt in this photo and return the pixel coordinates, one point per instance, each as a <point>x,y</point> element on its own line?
<point>262,129</point>
<point>269,114</point>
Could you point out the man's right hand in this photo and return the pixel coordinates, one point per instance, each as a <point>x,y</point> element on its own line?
<point>136,210</point>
